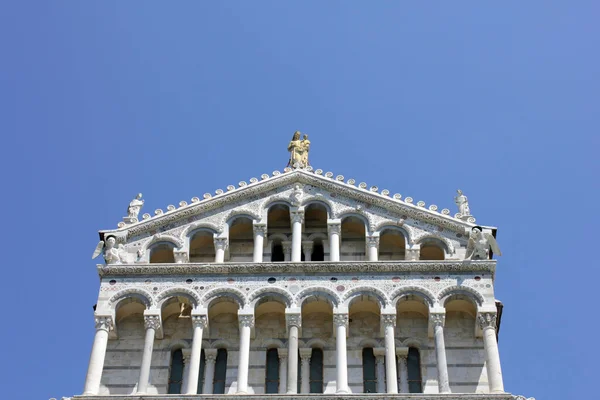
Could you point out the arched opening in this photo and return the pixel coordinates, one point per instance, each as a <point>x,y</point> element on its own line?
<point>316,371</point>
<point>353,239</point>
<point>413,362</point>
<point>317,317</point>
<point>269,314</point>
<point>315,218</point>
<point>241,240</point>
<point>272,372</point>
<point>413,317</point>
<point>369,371</point>
<point>176,373</point>
<point>220,372</point>
<point>162,253</point>
<point>318,252</point>
<point>392,245</point>
<point>431,250</point>
<point>278,219</point>
<point>202,247</point>
<point>129,321</point>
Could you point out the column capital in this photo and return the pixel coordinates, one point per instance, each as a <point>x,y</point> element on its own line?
<point>340,319</point>
<point>287,247</point>
<point>373,241</point>
<point>104,323</point>
<point>211,355</point>
<point>282,353</point>
<point>388,320</point>
<point>181,256</point>
<point>307,246</point>
<point>221,243</point>
<point>259,228</point>
<point>293,320</point>
<point>297,216</point>
<point>187,353</point>
<point>152,321</point>
<point>487,320</point>
<point>402,352</point>
<point>334,226</point>
<point>200,321</point>
<point>246,320</point>
<point>305,353</point>
<point>437,318</point>
<point>379,353</point>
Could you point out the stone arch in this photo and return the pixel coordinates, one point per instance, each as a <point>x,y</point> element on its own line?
<point>366,218</point>
<point>233,293</point>
<point>162,237</point>
<point>273,344</point>
<point>321,201</point>
<point>317,290</point>
<point>422,292</point>
<point>271,201</point>
<point>178,344</point>
<point>143,296</point>
<point>412,342</point>
<point>280,236</point>
<point>279,293</point>
<point>440,240</point>
<point>472,294</point>
<point>318,235</point>
<point>175,292</point>
<point>366,290</point>
<point>406,232</point>
<point>221,344</point>
<point>316,343</point>
<point>198,226</point>
<point>238,213</point>
<point>366,343</point>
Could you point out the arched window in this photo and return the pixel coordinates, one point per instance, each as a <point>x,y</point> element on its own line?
<point>220,372</point>
<point>202,247</point>
<point>353,238</point>
<point>316,371</point>
<point>272,372</point>
<point>162,253</point>
<point>431,249</point>
<point>369,371</point>
<point>414,371</point>
<point>176,373</point>
<point>201,372</point>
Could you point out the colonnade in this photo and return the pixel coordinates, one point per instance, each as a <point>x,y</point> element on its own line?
<point>288,368</point>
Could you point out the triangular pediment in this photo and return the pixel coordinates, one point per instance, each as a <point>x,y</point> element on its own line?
<point>297,188</point>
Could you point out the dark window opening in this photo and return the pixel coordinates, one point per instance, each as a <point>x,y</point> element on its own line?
<point>220,372</point>
<point>272,373</point>
<point>176,373</point>
<point>414,371</point>
<point>316,371</point>
<point>277,253</point>
<point>369,371</point>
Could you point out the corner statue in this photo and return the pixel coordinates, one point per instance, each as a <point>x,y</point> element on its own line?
<point>479,245</point>
<point>299,151</point>
<point>463,203</point>
<point>135,206</point>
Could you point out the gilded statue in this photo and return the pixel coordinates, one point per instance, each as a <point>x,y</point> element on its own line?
<point>299,151</point>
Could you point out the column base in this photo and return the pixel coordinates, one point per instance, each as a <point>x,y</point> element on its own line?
<point>343,391</point>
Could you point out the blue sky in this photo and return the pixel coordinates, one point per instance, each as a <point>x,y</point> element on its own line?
<point>102,100</point>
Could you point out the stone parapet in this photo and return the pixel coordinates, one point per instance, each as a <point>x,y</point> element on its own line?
<point>249,268</point>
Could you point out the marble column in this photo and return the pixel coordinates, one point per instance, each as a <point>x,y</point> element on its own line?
<point>437,320</point>
<point>389,324</point>
<point>187,353</point>
<point>402,353</point>
<point>305,355</point>
<point>380,368</point>
<point>373,248</point>
<point>104,324</point>
<point>487,322</point>
<point>220,246</point>
<point>209,370</point>
<point>297,217</point>
<point>199,323</point>
<point>293,323</point>
<point>341,322</point>
<point>246,322</point>
<point>287,250</point>
<point>260,233</point>
<point>282,353</point>
<point>152,324</point>
<point>334,228</point>
<point>307,249</point>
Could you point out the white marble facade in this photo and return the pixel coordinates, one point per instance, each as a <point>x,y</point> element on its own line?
<point>296,261</point>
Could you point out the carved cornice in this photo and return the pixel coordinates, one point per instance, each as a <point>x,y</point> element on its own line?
<point>484,266</point>
<point>336,396</point>
<point>302,176</point>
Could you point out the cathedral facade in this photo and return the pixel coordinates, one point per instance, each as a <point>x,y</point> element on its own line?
<point>297,284</point>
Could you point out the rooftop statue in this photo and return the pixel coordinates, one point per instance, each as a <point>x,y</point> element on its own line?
<point>463,203</point>
<point>135,206</point>
<point>479,245</point>
<point>299,151</point>
<point>112,254</point>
